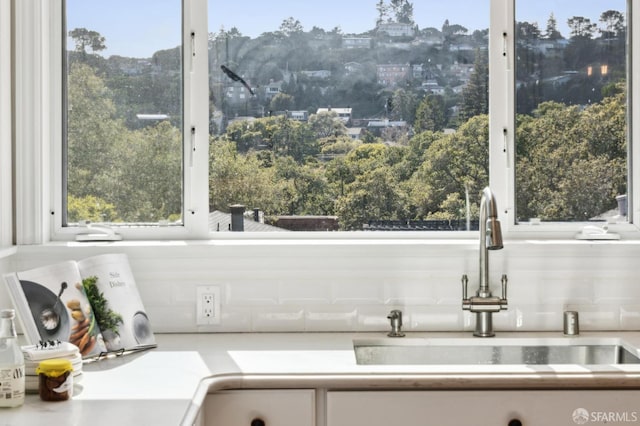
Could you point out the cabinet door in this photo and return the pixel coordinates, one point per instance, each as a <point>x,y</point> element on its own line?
<point>482,408</point>
<point>261,408</point>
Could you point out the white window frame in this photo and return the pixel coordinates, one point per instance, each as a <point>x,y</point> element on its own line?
<point>38,135</point>
<point>502,129</point>
<point>39,47</point>
<point>6,151</point>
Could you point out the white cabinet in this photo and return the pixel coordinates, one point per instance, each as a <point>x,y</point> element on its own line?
<point>483,408</point>
<point>261,408</point>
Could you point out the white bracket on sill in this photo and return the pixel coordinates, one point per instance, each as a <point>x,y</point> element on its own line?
<point>591,232</point>
<point>105,233</point>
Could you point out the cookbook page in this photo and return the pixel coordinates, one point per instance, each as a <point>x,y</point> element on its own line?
<point>113,293</point>
<point>60,308</point>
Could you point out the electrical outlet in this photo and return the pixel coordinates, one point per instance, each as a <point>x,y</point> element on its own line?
<point>207,305</point>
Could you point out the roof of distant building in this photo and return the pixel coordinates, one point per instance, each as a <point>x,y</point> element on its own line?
<point>221,222</point>
<point>336,110</point>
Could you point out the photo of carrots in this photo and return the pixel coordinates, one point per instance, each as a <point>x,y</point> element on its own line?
<point>84,330</point>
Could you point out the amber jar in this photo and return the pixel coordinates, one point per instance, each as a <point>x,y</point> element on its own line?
<point>55,379</point>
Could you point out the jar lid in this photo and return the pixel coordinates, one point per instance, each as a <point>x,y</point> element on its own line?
<point>54,367</point>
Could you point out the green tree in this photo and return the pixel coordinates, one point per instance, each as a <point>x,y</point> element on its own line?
<point>383,12</point>
<point>327,124</point>
<point>404,104</point>
<point>403,11</point>
<point>149,186</point>
<point>613,22</point>
<point>291,26</point>
<point>138,172</point>
<point>235,178</point>
<point>528,32</point>
<point>90,209</point>
<point>551,31</point>
<point>87,39</point>
<point>373,195</point>
<point>282,102</point>
<point>475,95</point>
<point>581,27</point>
<point>368,185</point>
<point>572,164</point>
<point>432,114</point>
<point>452,164</point>
<point>93,128</point>
<point>304,188</point>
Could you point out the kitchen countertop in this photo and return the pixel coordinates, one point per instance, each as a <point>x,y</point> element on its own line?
<point>166,385</point>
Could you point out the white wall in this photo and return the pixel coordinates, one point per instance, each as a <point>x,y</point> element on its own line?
<point>352,285</point>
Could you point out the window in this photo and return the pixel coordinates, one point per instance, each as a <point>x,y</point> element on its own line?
<point>374,118</point>
<point>134,128</point>
<point>124,115</point>
<point>393,95</point>
<point>571,92</point>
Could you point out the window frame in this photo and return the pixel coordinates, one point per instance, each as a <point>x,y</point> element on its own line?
<point>502,119</point>
<point>38,135</point>
<point>6,118</point>
<point>195,133</point>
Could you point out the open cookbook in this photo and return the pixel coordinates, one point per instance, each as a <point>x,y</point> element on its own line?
<point>93,303</point>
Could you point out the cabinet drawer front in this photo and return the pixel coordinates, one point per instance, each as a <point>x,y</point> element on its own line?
<point>272,407</point>
<point>483,407</point>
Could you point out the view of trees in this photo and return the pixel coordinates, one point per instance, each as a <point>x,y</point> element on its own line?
<point>124,169</point>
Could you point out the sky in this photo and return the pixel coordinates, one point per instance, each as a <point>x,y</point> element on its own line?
<point>137,28</point>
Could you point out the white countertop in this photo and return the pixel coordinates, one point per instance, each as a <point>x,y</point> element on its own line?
<point>166,385</point>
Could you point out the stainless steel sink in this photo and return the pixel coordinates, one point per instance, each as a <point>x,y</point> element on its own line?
<point>494,352</point>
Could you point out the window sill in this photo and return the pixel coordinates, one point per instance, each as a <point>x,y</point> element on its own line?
<point>379,240</point>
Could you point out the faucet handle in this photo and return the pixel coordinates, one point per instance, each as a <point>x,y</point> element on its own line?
<point>504,286</point>
<point>465,281</point>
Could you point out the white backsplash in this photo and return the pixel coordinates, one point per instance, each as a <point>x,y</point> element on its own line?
<point>340,286</point>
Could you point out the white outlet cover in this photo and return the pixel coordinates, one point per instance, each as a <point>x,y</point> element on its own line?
<point>202,292</point>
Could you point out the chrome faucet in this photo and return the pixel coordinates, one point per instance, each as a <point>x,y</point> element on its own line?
<point>484,304</point>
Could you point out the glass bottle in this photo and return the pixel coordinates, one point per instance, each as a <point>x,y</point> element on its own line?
<point>12,380</point>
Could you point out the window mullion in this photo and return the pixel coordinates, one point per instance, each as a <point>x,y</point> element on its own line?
<point>501,107</point>
<point>196,115</point>
<point>634,115</point>
<point>6,190</point>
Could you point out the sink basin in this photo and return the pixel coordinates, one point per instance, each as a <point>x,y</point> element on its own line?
<point>472,351</point>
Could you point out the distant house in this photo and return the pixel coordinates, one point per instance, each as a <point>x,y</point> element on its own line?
<point>417,71</point>
<point>432,86</point>
<point>551,48</point>
<point>383,124</point>
<point>242,118</point>
<point>236,93</point>
<point>353,67</point>
<point>354,132</point>
<point>397,29</point>
<point>308,223</point>
<point>272,89</point>
<point>390,75</point>
<point>344,114</point>
<point>357,42</point>
<point>221,222</point>
<point>460,88</point>
<point>302,115</point>
<point>461,71</point>
<point>317,73</point>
